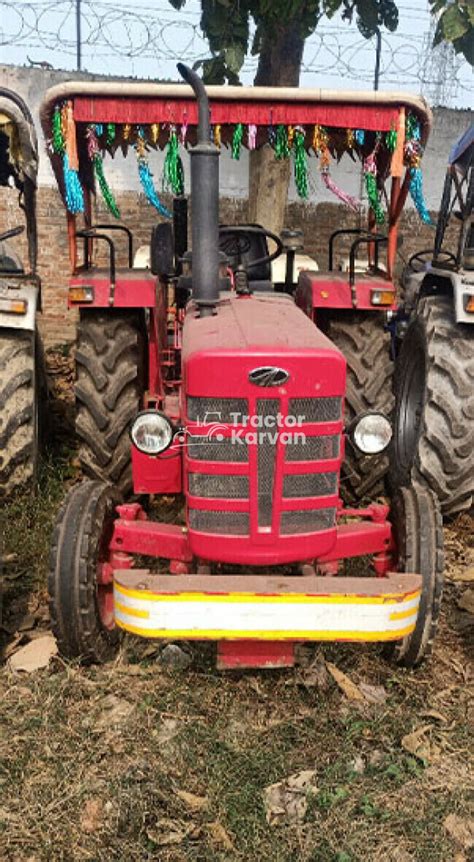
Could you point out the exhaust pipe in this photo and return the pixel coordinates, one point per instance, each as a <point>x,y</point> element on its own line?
<point>205,204</point>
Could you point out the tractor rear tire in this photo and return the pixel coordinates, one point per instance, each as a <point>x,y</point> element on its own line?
<point>109,392</point>
<point>81,608</point>
<point>434,407</point>
<point>362,338</point>
<point>18,412</point>
<point>418,529</point>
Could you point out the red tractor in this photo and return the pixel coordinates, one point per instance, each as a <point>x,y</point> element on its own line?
<point>240,408</point>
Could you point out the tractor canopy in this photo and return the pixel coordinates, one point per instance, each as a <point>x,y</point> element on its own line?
<point>387,132</point>
<point>19,160</point>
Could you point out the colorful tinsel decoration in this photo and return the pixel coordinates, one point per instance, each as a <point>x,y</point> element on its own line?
<point>154,132</point>
<point>370,175</point>
<point>146,179</point>
<point>58,139</point>
<point>291,135</point>
<point>320,139</point>
<point>391,140</point>
<point>360,137</point>
<point>126,132</point>
<point>413,153</point>
<point>282,150</point>
<point>350,138</point>
<point>73,189</point>
<point>183,133</point>
<point>173,172</point>
<point>301,163</point>
<point>237,140</point>
<point>350,201</point>
<point>93,151</point>
<point>110,134</point>
<point>252,136</point>
<point>217,135</point>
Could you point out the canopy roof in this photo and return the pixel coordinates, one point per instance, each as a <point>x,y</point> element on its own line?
<point>114,102</point>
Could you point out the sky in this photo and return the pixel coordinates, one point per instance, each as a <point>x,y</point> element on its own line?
<point>146,38</point>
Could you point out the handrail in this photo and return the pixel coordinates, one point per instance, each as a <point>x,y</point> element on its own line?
<point>125,230</point>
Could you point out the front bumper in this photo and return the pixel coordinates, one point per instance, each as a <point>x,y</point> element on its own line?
<point>266,608</point>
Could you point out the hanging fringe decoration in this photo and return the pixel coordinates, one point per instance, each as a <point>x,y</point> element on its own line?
<point>282,150</point>
<point>237,141</point>
<point>320,139</point>
<point>183,132</point>
<point>146,179</point>
<point>58,140</point>
<point>301,162</point>
<point>291,135</point>
<point>173,173</point>
<point>252,136</point>
<point>360,137</point>
<point>350,201</point>
<point>350,138</point>
<point>391,140</point>
<point>126,131</point>
<point>325,158</point>
<point>370,175</point>
<point>217,135</point>
<point>413,153</point>
<point>110,134</point>
<point>72,187</point>
<point>154,132</point>
<point>99,129</point>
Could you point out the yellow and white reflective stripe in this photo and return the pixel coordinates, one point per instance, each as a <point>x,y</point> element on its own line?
<point>289,617</point>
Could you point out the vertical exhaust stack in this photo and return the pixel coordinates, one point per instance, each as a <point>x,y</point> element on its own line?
<point>205,204</point>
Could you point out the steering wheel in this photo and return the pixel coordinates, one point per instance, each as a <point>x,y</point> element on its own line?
<point>241,249</point>
<point>418,261</point>
<point>15,231</point>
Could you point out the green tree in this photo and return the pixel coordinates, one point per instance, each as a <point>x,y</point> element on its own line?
<point>455,25</point>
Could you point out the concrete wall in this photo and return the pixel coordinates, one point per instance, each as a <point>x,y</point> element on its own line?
<point>318,217</point>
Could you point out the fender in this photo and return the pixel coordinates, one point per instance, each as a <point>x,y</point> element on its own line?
<point>458,284</point>
<point>30,294</point>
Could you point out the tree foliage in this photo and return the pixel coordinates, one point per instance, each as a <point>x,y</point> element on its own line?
<point>226,25</point>
<point>455,25</point>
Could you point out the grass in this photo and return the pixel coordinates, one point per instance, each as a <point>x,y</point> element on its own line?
<point>92,759</point>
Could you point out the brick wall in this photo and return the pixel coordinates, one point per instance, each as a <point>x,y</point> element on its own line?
<point>58,324</point>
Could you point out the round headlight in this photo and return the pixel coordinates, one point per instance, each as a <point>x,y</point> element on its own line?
<point>151,432</point>
<point>372,433</point>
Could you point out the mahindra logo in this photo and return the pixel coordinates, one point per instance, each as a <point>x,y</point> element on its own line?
<point>268,376</point>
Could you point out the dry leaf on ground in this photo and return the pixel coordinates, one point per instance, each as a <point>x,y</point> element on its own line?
<point>114,711</point>
<point>168,832</point>
<point>464,576</point>
<point>349,688</point>
<point>219,836</point>
<point>466,602</point>
<point>316,675</point>
<point>34,655</point>
<point>195,803</point>
<point>419,744</point>
<point>461,830</point>
<point>92,816</point>
<point>288,799</point>
<point>373,693</point>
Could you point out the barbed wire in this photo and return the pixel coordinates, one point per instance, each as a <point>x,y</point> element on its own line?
<point>140,33</point>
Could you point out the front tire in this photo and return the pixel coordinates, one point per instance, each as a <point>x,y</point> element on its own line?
<point>81,596</point>
<point>18,412</point>
<point>418,531</point>
<point>434,409</point>
<point>362,338</point>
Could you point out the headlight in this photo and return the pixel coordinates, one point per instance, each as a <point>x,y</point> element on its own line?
<point>151,432</point>
<point>371,433</point>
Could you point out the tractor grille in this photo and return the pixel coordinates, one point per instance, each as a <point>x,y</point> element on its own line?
<point>216,448</point>
<point>307,521</point>
<point>230,523</point>
<point>313,449</point>
<point>316,409</point>
<point>310,485</point>
<point>208,411</point>
<point>266,461</point>
<point>207,485</point>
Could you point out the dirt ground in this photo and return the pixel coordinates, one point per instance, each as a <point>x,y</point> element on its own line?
<point>133,761</point>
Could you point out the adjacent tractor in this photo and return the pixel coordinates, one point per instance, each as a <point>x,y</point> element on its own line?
<point>118,368</point>
<point>20,357</point>
<point>229,395</point>
<point>434,414</point>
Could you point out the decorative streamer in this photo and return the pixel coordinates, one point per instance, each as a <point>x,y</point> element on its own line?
<point>391,140</point>
<point>350,201</point>
<point>146,179</point>
<point>325,158</point>
<point>107,194</point>
<point>360,137</point>
<point>237,140</point>
<point>350,138</point>
<point>320,139</point>
<point>183,132</point>
<point>173,173</point>
<point>252,136</point>
<point>58,139</point>
<point>282,150</point>
<point>154,132</point>
<point>291,135</point>
<point>217,135</point>
<point>99,129</point>
<point>416,192</point>
<point>413,153</point>
<point>126,131</point>
<point>73,190</point>
<point>110,134</point>
<point>370,175</point>
<point>301,162</point>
